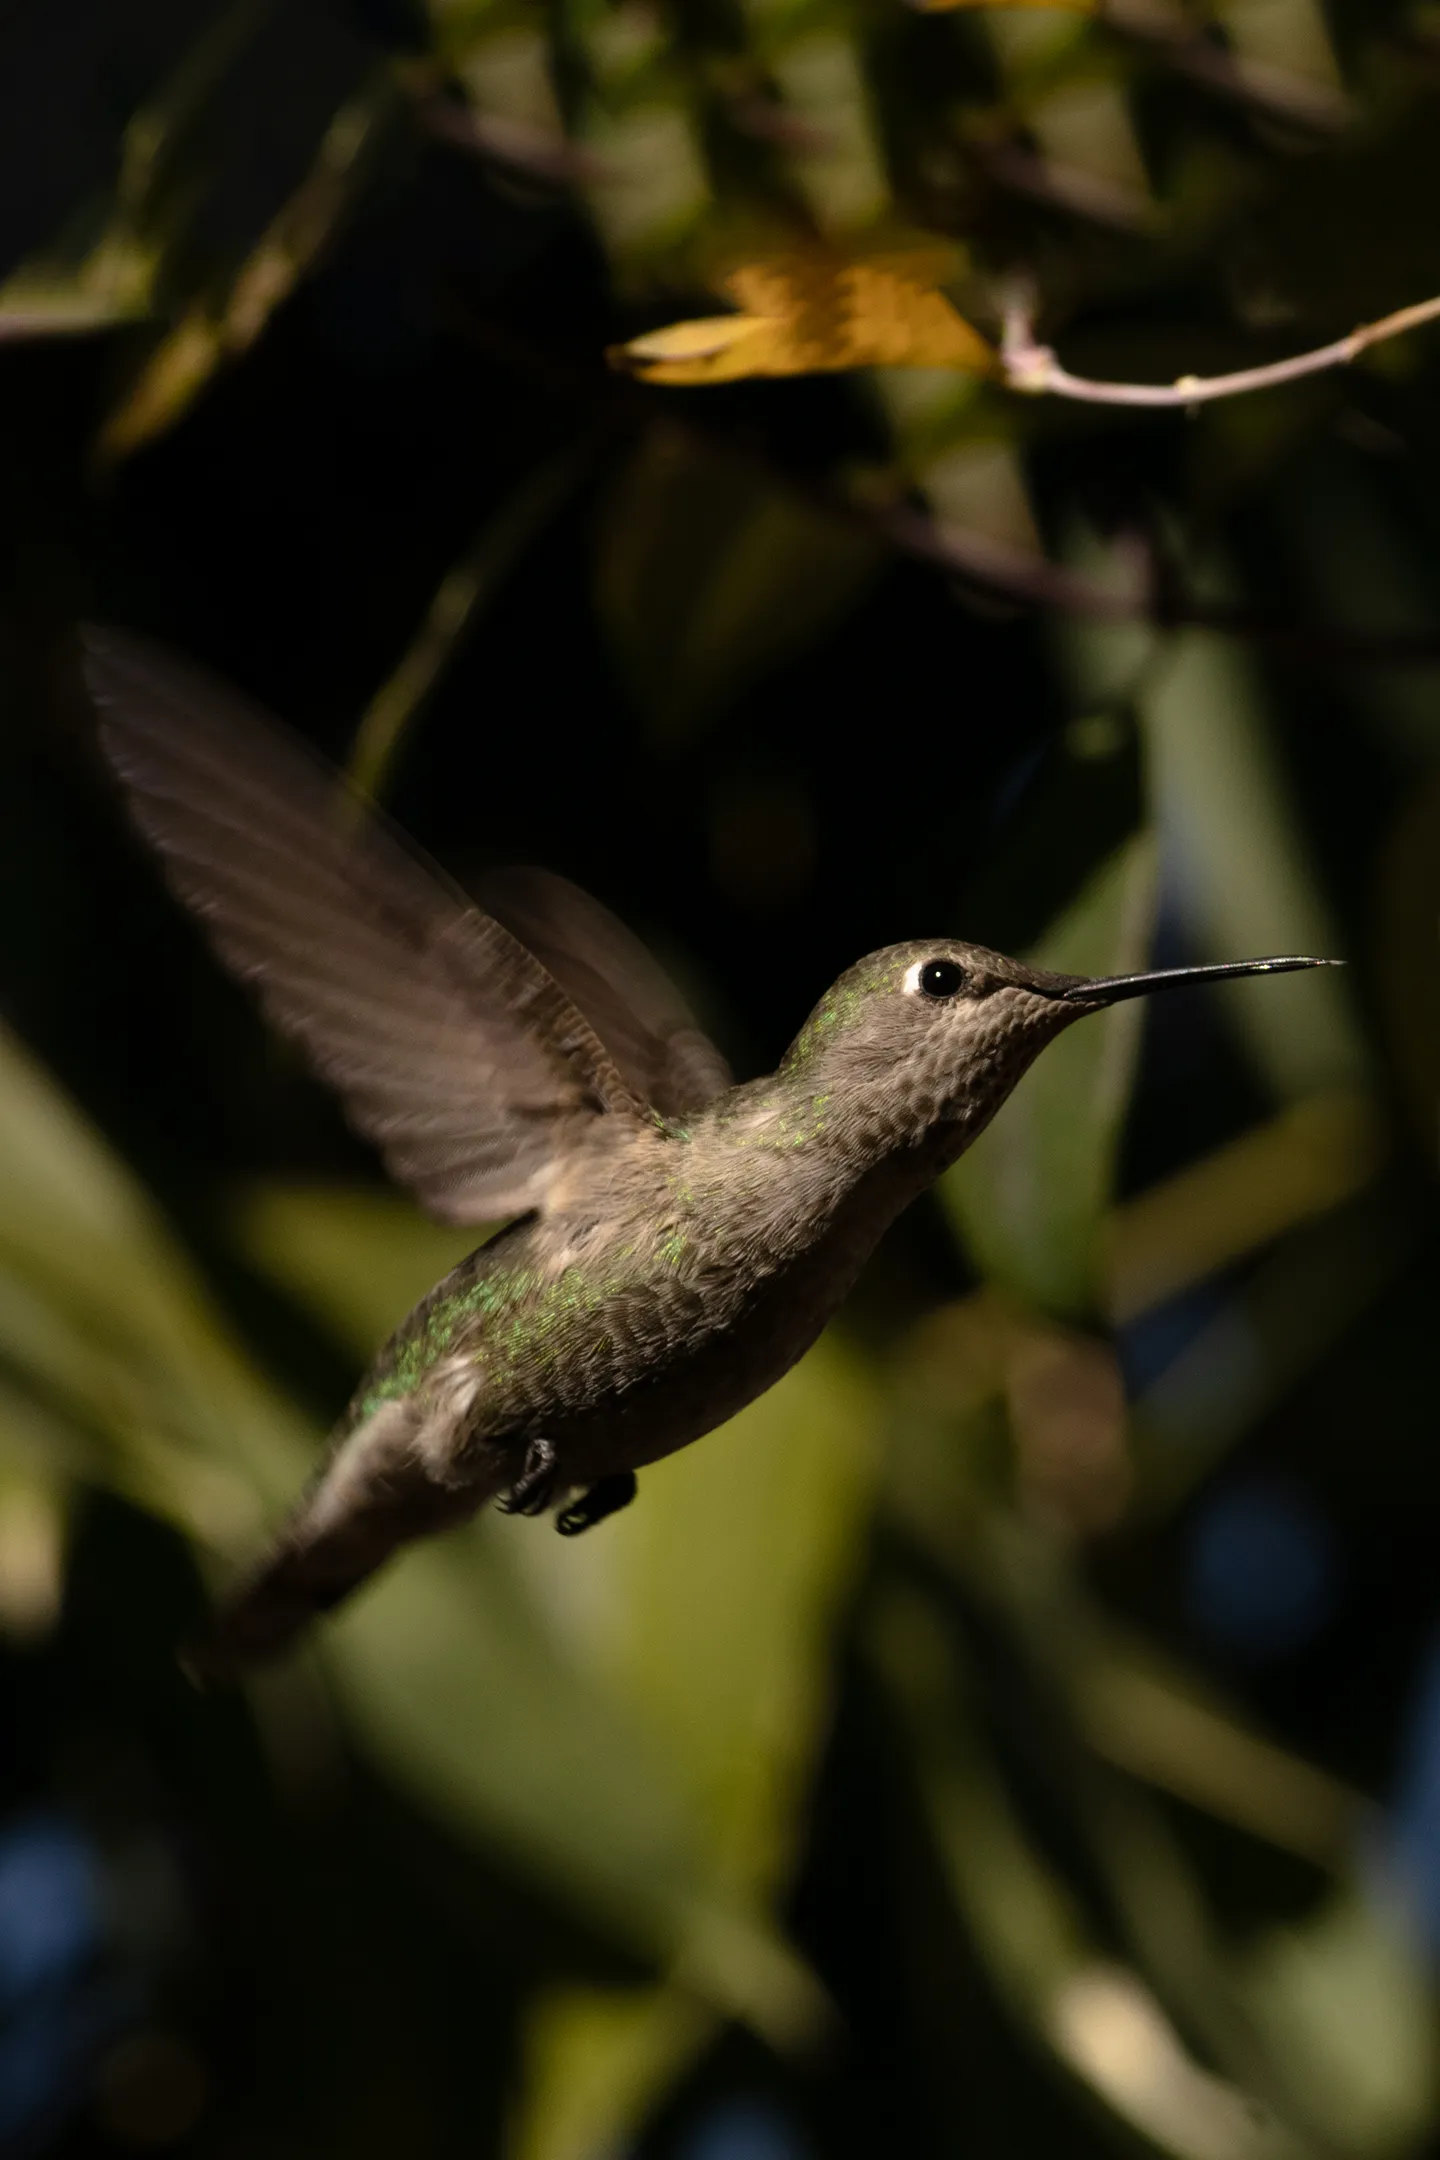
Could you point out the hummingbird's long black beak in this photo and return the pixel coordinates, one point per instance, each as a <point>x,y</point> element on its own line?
<point>1110,989</point>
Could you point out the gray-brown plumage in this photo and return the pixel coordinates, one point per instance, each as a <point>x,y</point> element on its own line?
<point>679,1242</point>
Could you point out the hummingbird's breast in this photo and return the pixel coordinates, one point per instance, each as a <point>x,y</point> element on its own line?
<point>672,1284</point>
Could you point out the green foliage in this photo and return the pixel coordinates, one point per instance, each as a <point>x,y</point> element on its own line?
<point>1031,1197</point>
<point>886,1763</point>
<point>710,578</point>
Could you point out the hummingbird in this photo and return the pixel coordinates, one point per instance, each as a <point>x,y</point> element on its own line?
<point>673,1242</point>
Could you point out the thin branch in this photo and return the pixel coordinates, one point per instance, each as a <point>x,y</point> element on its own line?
<point>1012,573</point>
<point>1033,369</point>
<point>1033,581</point>
<point>1006,572</point>
<point>1166,28</point>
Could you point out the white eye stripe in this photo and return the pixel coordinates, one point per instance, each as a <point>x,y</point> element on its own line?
<point>911,984</point>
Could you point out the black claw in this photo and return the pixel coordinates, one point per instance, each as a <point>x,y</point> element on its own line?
<point>534,1489</point>
<point>606,1498</point>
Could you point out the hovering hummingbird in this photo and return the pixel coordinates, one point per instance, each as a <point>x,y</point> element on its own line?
<point>674,1242</point>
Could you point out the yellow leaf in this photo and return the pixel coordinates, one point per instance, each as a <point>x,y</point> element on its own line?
<point>708,338</point>
<point>596,2058</point>
<point>812,311</point>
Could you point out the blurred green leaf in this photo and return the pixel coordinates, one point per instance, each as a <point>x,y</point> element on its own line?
<point>595,2060</point>
<point>1314,1155</point>
<point>115,275</point>
<point>634,1714</point>
<point>1279,1325</point>
<point>710,1604</point>
<point>449,1673</point>
<point>1165,1726</point>
<point>454,1683</point>
<point>1232,849</point>
<point>1040,1841</point>
<point>113,283</point>
<point>710,1611</point>
<point>32,1538</point>
<point>359,1257</point>
<point>1345,2001</point>
<point>709,577</point>
<point>1405,910</point>
<point>1111,1691</point>
<point>214,330</point>
<point>1096,2019</point>
<point>1030,1197</point>
<point>106,1323</point>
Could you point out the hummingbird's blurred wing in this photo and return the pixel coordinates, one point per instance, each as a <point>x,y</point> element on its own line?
<point>626,996</point>
<point>452,1047</point>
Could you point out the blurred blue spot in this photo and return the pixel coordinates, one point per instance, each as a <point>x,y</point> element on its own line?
<point>1261,1568</point>
<point>49,1908</point>
<point>1212,1388</point>
<point>1413,1843</point>
<point>54,2009</point>
<point>744,2130</point>
<point>1158,1336</point>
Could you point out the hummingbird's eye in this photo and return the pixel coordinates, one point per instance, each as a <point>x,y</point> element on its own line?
<point>941,978</point>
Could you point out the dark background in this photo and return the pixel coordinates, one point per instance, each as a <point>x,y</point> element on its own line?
<point>204,1951</point>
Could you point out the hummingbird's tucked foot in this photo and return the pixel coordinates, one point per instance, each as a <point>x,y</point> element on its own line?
<point>534,1489</point>
<point>606,1498</point>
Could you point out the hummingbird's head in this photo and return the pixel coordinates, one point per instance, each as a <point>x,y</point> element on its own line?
<point>935,1034</point>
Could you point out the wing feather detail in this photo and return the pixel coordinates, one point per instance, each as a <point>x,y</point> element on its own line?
<point>628,999</point>
<point>453,1047</point>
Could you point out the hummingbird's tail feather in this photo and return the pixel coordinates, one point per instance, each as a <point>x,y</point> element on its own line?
<point>374,1496</point>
